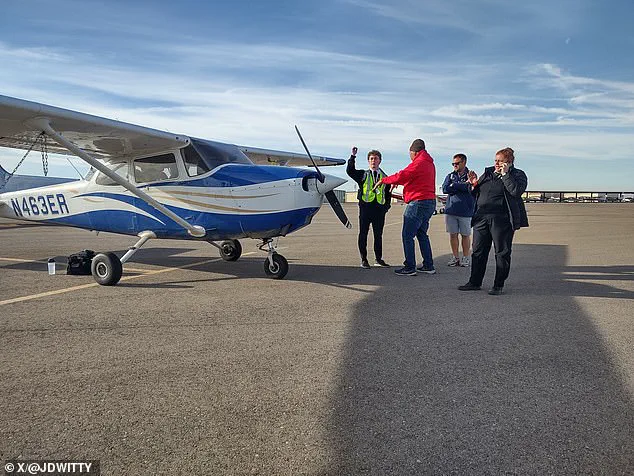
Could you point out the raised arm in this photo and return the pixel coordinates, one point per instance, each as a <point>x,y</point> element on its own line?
<point>351,170</point>
<point>515,183</point>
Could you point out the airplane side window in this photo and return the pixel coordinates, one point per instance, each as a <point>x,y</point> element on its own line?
<point>154,169</point>
<point>194,163</point>
<point>120,169</point>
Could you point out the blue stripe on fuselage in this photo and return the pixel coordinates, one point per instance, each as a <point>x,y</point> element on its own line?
<point>219,226</point>
<point>240,175</point>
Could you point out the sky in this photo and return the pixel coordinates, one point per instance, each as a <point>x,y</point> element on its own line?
<point>554,80</point>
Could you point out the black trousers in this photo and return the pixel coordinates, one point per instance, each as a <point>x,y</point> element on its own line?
<point>487,229</point>
<point>371,214</point>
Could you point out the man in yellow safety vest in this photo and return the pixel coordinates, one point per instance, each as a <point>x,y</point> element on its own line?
<point>373,205</point>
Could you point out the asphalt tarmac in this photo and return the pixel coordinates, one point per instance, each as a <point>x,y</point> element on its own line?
<point>193,365</point>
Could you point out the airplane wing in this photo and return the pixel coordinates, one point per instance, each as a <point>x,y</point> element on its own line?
<point>88,137</point>
<point>101,137</point>
<point>276,157</point>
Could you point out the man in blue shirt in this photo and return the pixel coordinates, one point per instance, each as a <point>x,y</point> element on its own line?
<point>459,209</point>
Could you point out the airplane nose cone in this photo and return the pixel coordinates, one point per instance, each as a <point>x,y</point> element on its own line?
<point>330,182</point>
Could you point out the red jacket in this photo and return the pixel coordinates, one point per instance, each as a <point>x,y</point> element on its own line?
<point>418,178</point>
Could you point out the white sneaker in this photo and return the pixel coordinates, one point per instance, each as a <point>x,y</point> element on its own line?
<point>453,261</point>
<point>465,261</point>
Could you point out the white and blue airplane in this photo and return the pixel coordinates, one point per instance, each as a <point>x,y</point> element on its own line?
<point>155,184</point>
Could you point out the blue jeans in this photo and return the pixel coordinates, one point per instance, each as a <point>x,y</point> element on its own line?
<point>415,224</point>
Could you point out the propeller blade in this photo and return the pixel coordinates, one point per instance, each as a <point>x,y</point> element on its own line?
<point>337,208</point>
<point>330,195</point>
<point>321,176</point>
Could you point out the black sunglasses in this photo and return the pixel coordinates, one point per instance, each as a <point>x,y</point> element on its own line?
<point>455,163</point>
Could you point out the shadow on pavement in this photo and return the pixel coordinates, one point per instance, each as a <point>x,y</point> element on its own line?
<point>435,381</point>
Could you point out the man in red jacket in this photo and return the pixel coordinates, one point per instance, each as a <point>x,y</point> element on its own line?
<point>419,192</point>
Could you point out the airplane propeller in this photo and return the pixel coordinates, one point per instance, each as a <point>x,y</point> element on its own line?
<point>330,195</point>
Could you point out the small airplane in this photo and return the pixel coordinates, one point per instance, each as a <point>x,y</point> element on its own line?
<point>155,184</point>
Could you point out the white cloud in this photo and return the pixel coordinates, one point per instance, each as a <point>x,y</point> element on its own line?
<point>254,94</point>
<point>484,18</point>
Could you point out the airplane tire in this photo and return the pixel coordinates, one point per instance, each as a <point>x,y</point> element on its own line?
<point>106,268</point>
<point>230,250</point>
<point>276,269</point>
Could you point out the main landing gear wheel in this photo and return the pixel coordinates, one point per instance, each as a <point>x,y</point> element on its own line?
<point>275,266</point>
<point>230,250</point>
<point>107,269</point>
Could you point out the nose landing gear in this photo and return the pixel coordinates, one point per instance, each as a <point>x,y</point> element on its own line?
<point>275,265</point>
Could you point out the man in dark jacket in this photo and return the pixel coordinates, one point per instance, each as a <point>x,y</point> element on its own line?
<point>499,212</point>
<point>373,205</point>
<point>459,209</point>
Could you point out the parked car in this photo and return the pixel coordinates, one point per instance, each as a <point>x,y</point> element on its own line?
<point>533,199</point>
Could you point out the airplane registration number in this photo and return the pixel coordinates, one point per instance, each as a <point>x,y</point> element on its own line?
<point>40,205</point>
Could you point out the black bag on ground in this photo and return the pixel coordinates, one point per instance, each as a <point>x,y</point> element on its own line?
<point>79,263</point>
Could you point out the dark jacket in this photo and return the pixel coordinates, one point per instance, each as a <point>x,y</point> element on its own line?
<point>460,202</point>
<point>515,183</point>
<point>359,176</point>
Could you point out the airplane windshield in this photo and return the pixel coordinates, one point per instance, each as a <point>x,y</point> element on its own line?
<point>120,169</point>
<point>215,154</point>
<point>90,174</point>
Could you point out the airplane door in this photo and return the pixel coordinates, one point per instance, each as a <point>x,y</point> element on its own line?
<point>114,203</point>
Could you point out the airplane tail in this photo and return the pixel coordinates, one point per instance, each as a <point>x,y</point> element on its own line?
<point>14,183</point>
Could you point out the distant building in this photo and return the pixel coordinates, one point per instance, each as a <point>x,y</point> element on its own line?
<point>351,197</point>
<point>341,195</point>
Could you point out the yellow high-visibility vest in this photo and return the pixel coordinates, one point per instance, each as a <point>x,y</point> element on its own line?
<point>368,195</point>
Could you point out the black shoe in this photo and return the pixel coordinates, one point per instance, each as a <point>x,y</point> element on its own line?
<point>496,290</point>
<point>423,269</point>
<point>365,264</point>
<point>469,287</point>
<point>405,271</point>
<point>381,263</point>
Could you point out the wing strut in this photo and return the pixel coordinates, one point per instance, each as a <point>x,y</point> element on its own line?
<point>43,124</point>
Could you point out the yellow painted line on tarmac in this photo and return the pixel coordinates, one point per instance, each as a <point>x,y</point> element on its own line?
<point>395,223</point>
<point>48,293</point>
<point>136,270</point>
<point>126,278</point>
<point>20,260</point>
